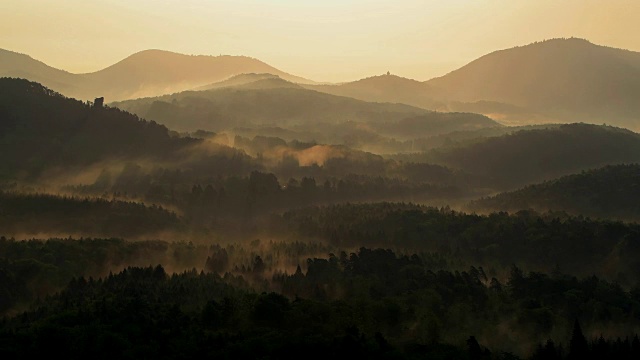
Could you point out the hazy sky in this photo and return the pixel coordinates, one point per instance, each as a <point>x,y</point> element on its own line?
<point>326,40</point>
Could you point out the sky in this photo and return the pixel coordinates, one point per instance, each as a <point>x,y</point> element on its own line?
<point>326,40</point>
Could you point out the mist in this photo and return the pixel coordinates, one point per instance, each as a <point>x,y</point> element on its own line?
<point>169,204</point>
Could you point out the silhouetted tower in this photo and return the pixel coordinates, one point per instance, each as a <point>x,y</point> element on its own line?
<point>388,72</point>
<point>99,102</point>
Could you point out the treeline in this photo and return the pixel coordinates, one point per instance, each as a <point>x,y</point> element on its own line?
<point>543,242</point>
<point>261,194</point>
<point>32,269</point>
<point>370,303</point>
<point>206,198</point>
<point>50,214</point>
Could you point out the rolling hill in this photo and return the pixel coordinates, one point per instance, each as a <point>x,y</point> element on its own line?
<point>263,102</point>
<point>609,192</point>
<point>385,88</point>
<point>237,80</point>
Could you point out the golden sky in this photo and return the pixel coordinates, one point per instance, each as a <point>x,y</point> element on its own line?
<point>326,40</point>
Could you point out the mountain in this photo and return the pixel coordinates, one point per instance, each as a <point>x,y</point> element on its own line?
<point>384,88</point>
<point>264,102</point>
<point>564,79</point>
<point>608,192</point>
<point>531,156</point>
<point>146,73</point>
<point>41,129</point>
<point>156,72</point>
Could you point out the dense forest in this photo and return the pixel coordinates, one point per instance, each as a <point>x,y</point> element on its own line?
<point>370,303</point>
<point>33,214</point>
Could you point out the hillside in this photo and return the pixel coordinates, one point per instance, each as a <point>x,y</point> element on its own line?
<point>260,103</point>
<point>610,192</point>
<point>531,156</point>
<point>146,73</point>
<point>40,129</point>
<point>237,80</point>
<point>567,79</point>
<point>384,88</point>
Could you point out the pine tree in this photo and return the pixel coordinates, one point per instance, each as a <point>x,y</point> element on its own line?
<point>578,346</point>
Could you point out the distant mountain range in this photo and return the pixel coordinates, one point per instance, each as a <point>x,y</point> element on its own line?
<point>146,73</point>
<point>559,80</point>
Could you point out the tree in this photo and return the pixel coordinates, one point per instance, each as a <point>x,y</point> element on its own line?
<point>258,265</point>
<point>578,346</point>
<point>475,351</point>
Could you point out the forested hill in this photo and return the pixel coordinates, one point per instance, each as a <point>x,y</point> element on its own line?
<point>279,104</point>
<point>532,156</point>
<point>609,192</point>
<point>40,128</point>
